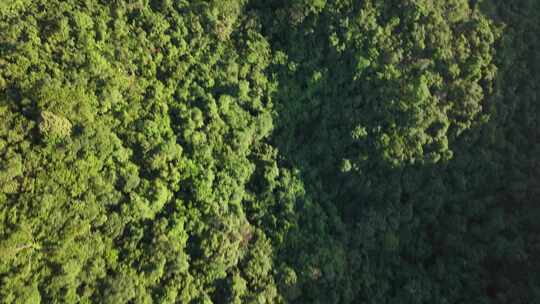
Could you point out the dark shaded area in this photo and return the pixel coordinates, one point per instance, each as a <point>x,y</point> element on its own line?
<point>459,230</point>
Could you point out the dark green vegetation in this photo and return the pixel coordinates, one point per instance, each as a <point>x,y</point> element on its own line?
<point>235,151</point>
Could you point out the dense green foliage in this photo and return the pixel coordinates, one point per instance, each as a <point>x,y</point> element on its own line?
<point>235,151</point>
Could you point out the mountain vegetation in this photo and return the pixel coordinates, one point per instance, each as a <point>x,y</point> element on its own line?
<point>250,151</point>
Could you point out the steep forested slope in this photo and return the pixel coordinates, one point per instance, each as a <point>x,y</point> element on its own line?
<point>420,151</point>
<point>235,151</point>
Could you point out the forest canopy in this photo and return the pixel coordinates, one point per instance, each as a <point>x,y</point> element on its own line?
<point>249,151</point>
